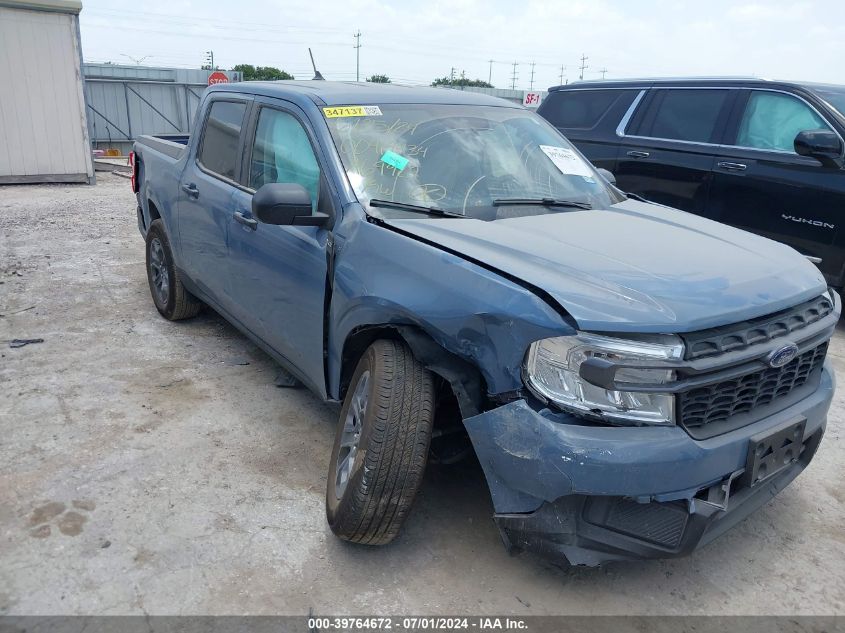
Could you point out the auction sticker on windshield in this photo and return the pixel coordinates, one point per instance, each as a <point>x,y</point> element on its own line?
<point>338,112</point>
<point>395,160</point>
<point>567,161</point>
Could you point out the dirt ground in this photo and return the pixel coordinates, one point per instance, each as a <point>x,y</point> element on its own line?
<point>153,467</point>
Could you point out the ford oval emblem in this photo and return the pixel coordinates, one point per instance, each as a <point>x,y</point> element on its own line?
<point>782,355</point>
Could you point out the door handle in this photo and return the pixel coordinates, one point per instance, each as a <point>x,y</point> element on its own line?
<point>638,154</point>
<point>732,166</point>
<point>191,190</point>
<point>247,222</point>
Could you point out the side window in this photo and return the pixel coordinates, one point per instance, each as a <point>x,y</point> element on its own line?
<point>219,149</point>
<point>282,153</point>
<point>772,120</point>
<point>580,109</point>
<point>684,115</point>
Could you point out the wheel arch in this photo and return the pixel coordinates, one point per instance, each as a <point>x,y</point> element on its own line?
<point>464,379</point>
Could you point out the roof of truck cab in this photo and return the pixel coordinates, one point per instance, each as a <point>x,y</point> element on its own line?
<point>360,93</point>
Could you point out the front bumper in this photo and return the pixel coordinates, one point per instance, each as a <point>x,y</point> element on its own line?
<point>593,494</point>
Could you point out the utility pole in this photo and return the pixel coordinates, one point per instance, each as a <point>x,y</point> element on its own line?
<point>513,76</point>
<point>531,84</point>
<point>452,76</point>
<point>357,48</point>
<point>490,74</point>
<point>603,72</point>
<point>583,65</point>
<point>562,68</point>
<point>209,58</point>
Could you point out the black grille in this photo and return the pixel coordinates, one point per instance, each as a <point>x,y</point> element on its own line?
<point>741,335</point>
<point>663,524</point>
<point>721,400</point>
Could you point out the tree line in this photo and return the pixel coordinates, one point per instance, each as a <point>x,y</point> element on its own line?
<point>270,73</point>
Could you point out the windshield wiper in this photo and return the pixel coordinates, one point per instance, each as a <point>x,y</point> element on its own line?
<point>543,202</point>
<point>414,208</point>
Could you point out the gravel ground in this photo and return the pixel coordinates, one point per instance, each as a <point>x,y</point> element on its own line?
<point>153,467</point>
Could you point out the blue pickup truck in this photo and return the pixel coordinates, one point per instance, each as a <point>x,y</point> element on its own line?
<point>633,379</point>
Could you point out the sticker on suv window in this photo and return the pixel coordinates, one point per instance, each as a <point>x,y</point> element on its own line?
<point>567,161</point>
<point>337,112</point>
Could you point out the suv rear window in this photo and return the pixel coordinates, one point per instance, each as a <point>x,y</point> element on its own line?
<point>683,115</point>
<point>219,149</point>
<point>580,109</point>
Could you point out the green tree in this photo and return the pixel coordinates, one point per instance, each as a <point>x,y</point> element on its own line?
<point>379,79</point>
<point>261,73</point>
<point>461,81</point>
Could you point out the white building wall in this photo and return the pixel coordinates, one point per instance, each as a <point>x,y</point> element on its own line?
<point>43,130</point>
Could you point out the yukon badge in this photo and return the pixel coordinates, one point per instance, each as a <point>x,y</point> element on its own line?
<point>792,218</point>
<point>782,355</point>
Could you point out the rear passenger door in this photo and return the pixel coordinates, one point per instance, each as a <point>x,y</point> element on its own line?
<point>588,118</point>
<point>667,150</point>
<point>207,189</point>
<point>763,186</point>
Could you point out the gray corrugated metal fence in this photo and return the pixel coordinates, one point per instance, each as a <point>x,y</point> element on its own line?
<point>125,102</point>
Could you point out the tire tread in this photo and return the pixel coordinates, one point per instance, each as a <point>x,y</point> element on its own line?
<point>397,451</point>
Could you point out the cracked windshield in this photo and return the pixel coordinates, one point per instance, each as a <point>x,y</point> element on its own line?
<point>485,163</point>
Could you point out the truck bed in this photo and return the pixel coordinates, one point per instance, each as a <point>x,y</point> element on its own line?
<point>172,145</point>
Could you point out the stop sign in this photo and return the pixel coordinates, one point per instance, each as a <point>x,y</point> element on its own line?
<point>217,78</point>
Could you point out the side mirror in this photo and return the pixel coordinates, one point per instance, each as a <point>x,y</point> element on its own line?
<point>823,145</point>
<point>607,175</point>
<point>285,204</point>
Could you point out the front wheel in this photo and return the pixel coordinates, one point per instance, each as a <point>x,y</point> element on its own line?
<point>381,445</point>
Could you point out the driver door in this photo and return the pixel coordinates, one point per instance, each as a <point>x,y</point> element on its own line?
<point>277,274</point>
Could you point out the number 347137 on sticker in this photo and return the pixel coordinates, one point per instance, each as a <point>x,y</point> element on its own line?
<point>336,112</point>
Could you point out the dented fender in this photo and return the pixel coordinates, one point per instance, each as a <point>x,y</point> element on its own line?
<point>383,277</point>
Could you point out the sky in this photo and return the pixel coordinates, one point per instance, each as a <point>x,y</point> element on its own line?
<point>415,42</point>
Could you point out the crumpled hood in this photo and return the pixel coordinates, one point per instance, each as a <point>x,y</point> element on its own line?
<point>635,267</point>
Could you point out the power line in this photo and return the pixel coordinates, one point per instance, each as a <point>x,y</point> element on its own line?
<point>137,60</point>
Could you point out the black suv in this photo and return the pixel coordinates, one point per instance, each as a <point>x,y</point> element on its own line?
<point>766,156</point>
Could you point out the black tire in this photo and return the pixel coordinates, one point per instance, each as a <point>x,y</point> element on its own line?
<point>171,298</point>
<point>394,435</point>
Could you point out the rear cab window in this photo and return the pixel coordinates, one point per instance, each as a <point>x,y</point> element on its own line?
<point>218,151</point>
<point>580,109</point>
<point>681,114</point>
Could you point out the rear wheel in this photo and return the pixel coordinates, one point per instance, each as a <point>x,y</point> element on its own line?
<point>171,298</point>
<point>381,445</point>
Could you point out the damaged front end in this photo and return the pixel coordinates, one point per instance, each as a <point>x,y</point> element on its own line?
<point>648,448</point>
<point>588,494</point>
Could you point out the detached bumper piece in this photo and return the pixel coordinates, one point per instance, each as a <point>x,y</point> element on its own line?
<point>592,530</point>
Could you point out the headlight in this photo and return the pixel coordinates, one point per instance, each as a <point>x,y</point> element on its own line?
<point>553,364</point>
